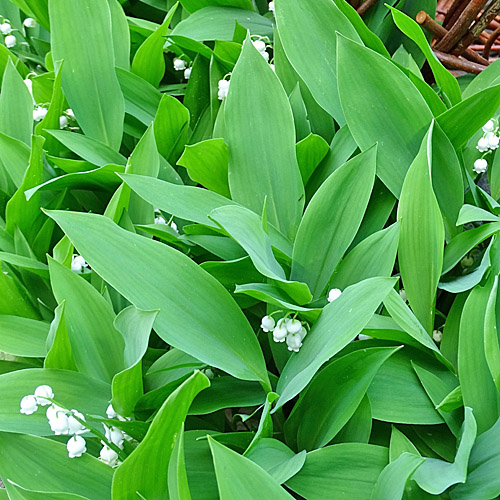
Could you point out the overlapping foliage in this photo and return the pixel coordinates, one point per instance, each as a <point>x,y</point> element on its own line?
<point>244,255</point>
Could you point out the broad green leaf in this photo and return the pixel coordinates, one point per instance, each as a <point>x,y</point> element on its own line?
<point>391,483</point>
<point>151,457</point>
<point>374,256</point>
<point>30,461</point>
<point>14,155</point>
<point>239,477</point>
<point>435,476</point>
<point>489,77</point>
<point>400,444</point>
<point>23,336</point>
<point>310,152</point>
<point>444,79</point>
<point>27,263</point>
<point>306,35</point>
<point>217,23</point>
<point>18,493</point>
<point>71,389</point>
<point>178,487</point>
<point>135,326</point>
<point>14,300</point>
<point>16,106</point>
<point>348,471</point>
<point>317,251</point>
<point>262,159</point>
<point>491,347</point>
<point>194,5</point>
<point>207,163</point>
<point>155,285</point>
<point>320,414</point>
<point>120,33</point>
<point>422,233</point>
<point>81,35</point>
<point>471,213</point>
<point>478,389</point>
<point>149,61</point>
<point>96,345</point>
<point>339,323</point>
<point>397,117</point>
<point>245,227</point>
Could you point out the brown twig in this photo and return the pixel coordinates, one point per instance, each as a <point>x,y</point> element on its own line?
<point>439,32</point>
<point>458,30</point>
<point>453,62</point>
<point>365,6</point>
<point>489,43</point>
<point>479,26</point>
<point>454,12</point>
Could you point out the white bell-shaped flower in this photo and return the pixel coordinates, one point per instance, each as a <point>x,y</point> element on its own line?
<point>160,220</point>
<point>208,372</point>
<point>173,225</point>
<point>69,112</point>
<point>437,336</point>
<point>29,85</point>
<point>302,333</point>
<point>29,22</point>
<point>53,410</point>
<point>489,126</point>
<point>179,64</point>
<point>480,166</point>
<point>493,140</point>
<point>294,342</point>
<point>187,73</point>
<point>76,427</point>
<point>59,424</point>
<point>42,392</point>
<point>39,113</point>
<point>271,6</point>
<point>76,446</point>
<point>402,294</point>
<point>223,89</point>
<point>362,336</point>
<point>108,456</point>
<point>280,332</point>
<point>5,28</point>
<point>260,45</point>
<point>267,323</point>
<point>78,263</point>
<point>482,144</point>
<point>29,405</point>
<point>63,121</point>
<point>10,41</point>
<point>334,294</point>
<point>110,411</point>
<point>293,326</point>
<point>114,435</point>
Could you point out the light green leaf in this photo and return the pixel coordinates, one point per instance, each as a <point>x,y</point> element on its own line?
<point>23,336</point>
<point>178,487</point>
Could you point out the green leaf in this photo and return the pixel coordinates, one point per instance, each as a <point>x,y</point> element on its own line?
<point>310,152</point>
<point>149,61</point>
<point>306,35</point>
<point>18,493</point>
<point>348,471</point>
<point>239,477</point>
<point>397,117</point>
<point>155,285</point>
<point>194,5</point>
<point>339,323</point>
<point>81,36</point>
<point>23,336</point>
<point>31,461</point>
<point>435,476</point>
<point>374,256</point>
<point>262,159</point>
<point>444,79</point>
<point>391,483</point>
<point>317,251</point>
<point>207,164</point>
<point>319,414</point>
<point>217,23</point>
<point>178,487</point>
<point>14,155</point>
<point>152,456</point>
<point>71,389</point>
<point>422,233</point>
<point>96,345</point>
<point>16,106</point>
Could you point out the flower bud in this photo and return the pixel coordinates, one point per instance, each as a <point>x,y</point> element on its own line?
<point>29,405</point>
<point>259,45</point>
<point>5,28</point>
<point>29,22</point>
<point>293,326</point>
<point>53,410</point>
<point>39,113</point>
<point>187,73</point>
<point>76,447</point>
<point>480,166</point>
<point>271,7</point>
<point>179,64</point>
<point>294,342</point>
<point>110,411</point>
<point>334,294</point>
<point>362,336</point>
<point>482,144</point>
<point>223,89</point>
<point>10,41</point>
<point>63,121</point>
<point>74,426</point>
<point>402,294</point>
<point>437,336</point>
<point>267,323</point>
<point>489,126</point>
<point>467,261</point>
<point>42,392</point>
<point>108,456</point>
<point>78,263</point>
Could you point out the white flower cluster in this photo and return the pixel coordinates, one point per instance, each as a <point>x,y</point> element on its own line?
<point>61,421</point>
<point>289,330</point>
<point>223,89</point>
<point>6,30</point>
<point>261,47</point>
<point>78,264</point>
<point>486,144</point>
<point>162,222</point>
<point>40,112</point>
<point>113,435</point>
<point>182,65</point>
